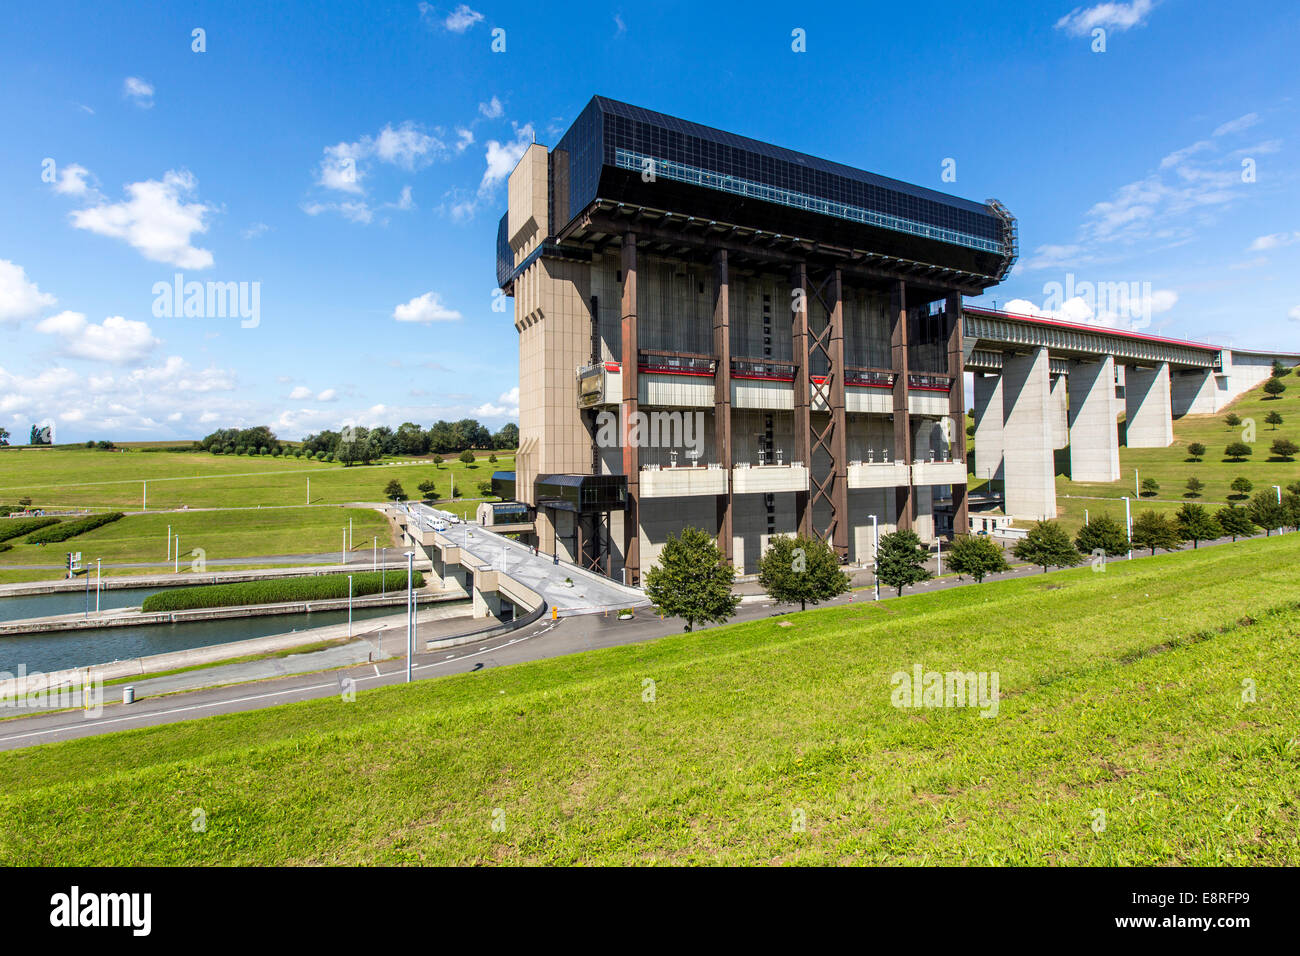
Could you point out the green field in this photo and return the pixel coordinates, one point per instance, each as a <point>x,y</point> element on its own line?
<point>79,477</point>
<point>1121,693</point>
<point>1171,466</point>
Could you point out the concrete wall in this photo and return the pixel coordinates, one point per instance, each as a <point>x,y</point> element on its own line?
<point>1148,411</point>
<point>1029,463</point>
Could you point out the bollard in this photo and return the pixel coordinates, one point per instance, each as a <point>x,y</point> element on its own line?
<point>555,612</point>
<point>128,694</point>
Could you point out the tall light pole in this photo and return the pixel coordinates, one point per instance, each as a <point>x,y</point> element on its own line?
<point>349,534</point>
<point>374,554</point>
<point>144,496</point>
<point>1128,526</point>
<point>309,489</point>
<point>875,556</point>
<point>410,614</point>
<point>1137,486</point>
<point>343,555</point>
<point>169,541</point>
<point>939,571</point>
<point>98,575</point>
<point>177,555</point>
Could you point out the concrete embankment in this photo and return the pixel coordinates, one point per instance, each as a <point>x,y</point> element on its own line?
<point>12,687</point>
<point>134,617</point>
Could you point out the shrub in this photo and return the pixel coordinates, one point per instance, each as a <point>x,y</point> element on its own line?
<point>467,457</point>
<point>1194,487</point>
<point>70,529</point>
<point>1237,451</point>
<point>14,527</point>
<point>1274,388</point>
<point>1150,487</point>
<point>976,555</point>
<point>1242,486</point>
<point>1284,448</point>
<point>1196,451</point>
<point>279,590</point>
<point>1104,534</point>
<point>1047,545</point>
<point>1232,419</point>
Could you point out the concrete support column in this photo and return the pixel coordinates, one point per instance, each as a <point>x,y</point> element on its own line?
<point>957,409</point>
<point>988,426</point>
<point>1059,412</point>
<point>902,416</point>
<point>1193,392</point>
<point>1027,452</point>
<point>1094,433</point>
<point>839,423</point>
<point>631,452</point>
<point>1148,411</point>
<point>802,410</point>
<point>722,394</point>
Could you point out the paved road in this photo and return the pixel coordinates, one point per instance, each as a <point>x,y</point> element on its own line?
<point>542,640</point>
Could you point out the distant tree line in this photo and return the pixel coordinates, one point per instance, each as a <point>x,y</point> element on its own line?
<point>358,444</point>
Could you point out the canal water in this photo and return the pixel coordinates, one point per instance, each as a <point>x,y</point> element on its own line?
<point>62,649</point>
<point>71,602</point>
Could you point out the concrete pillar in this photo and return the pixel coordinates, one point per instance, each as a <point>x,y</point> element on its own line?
<point>1194,392</point>
<point>802,408</point>
<point>988,426</point>
<point>722,395</point>
<point>1094,433</point>
<point>902,415</point>
<point>628,408</point>
<point>1148,411</point>
<point>1027,456</point>
<point>1059,412</point>
<point>957,408</point>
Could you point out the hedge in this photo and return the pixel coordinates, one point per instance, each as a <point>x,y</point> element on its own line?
<point>278,590</point>
<point>70,529</point>
<point>13,527</point>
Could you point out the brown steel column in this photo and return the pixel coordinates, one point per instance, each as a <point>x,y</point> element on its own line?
<point>957,409</point>
<point>722,393</point>
<point>802,412</point>
<point>628,417</point>
<point>902,419</point>
<point>839,426</point>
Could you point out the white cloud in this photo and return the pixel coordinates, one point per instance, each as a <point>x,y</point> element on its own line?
<point>503,157</point>
<point>255,230</point>
<point>155,220</point>
<point>1274,241</point>
<point>71,180</point>
<point>338,170</point>
<point>116,340</point>
<point>138,91</point>
<point>425,308</point>
<point>407,146</point>
<point>465,139</point>
<point>328,395</point>
<point>1112,16</point>
<point>300,393</point>
<point>352,211</point>
<point>19,296</point>
<point>462,18</point>
<point>492,108</point>
<point>507,407</point>
<point>1294,313</point>
<point>1237,125</point>
<point>404,202</point>
<point>1121,307</point>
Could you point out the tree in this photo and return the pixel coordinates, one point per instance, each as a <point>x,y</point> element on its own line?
<point>1237,451</point>
<point>801,569</point>
<point>41,435</point>
<point>1291,509</point>
<point>1232,419</point>
<point>1195,524</point>
<point>1284,448</point>
<point>393,491</point>
<point>1235,521</point>
<point>1196,451</point>
<point>1194,487</point>
<point>1274,388</point>
<point>1103,534</point>
<point>428,488</point>
<point>4,436</point>
<point>900,560</point>
<point>1047,545</point>
<point>437,461</point>
<point>467,457</point>
<point>1241,486</point>
<point>1266,511</point>
<point>492,459</point>
<point>507,437</point>
<point>691,581</point>
<point>1274,419</point>
<point>1279,369</point>
<point>1150,487</point>
<point>484,489</point>
<point>976,555</point>
<point>1152,530</point>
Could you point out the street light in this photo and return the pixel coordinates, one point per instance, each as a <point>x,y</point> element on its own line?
<point>98,575</point>
<point>410,614</point>
<point>1128,526</point>
<point>177,555</point>
<point>875,556</point>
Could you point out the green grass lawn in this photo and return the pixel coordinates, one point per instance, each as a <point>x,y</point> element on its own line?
<point>79,477</point>
<point>220,534</point>
<point>1122,692</point>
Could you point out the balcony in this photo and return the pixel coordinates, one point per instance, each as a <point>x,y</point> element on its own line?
<point>659,482</point>
<point>878,474</point>
<point>600,384</point>
<point>762,383</point>
<point>939,473</point>
<point>749,479</point>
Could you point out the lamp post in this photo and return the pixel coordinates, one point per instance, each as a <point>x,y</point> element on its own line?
<point>374,554</point>
<point>410,614</point>
<point>177,555</point>
<point>98,575</point>
<point>1128,526</point>
<point>169,541</point>
<point>875,557</point>
<point>939,571</point>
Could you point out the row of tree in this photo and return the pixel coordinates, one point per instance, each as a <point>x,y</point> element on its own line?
<point>691,580</point>
<point>355,444</point>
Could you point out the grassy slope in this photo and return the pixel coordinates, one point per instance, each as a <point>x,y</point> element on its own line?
<point>1121,691</point>
<point>81,477</point>
<point>1171,467</point>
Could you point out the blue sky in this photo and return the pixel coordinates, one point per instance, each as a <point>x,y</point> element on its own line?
<point>351,160</point>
